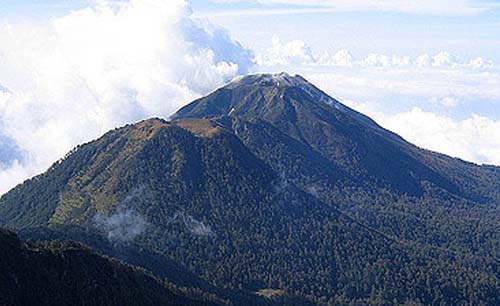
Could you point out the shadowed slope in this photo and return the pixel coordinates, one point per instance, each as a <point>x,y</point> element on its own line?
<point>71,274</point>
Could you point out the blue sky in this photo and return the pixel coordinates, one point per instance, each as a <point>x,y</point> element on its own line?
<point>71,70</point>
<point>363,32</point>
<point>15,10</point>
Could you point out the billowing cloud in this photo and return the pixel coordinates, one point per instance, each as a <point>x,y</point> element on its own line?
<point>401,61</point>
<point>480,63</point>
<point>341,58</point>
<point>297,53</point>
<point>69,81</point>
<point>442,59</point>
<point>377,60</point>
<point>474,138</point>
<point>291,53</point>
<point>423,60</point>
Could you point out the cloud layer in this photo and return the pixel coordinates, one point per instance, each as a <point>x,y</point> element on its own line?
<point>71,80</point>
<point>296,53</point>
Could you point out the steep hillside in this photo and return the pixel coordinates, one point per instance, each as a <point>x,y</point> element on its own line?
<point>56,273</point>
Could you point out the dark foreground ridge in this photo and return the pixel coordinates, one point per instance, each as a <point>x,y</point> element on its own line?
<point>63,273</point>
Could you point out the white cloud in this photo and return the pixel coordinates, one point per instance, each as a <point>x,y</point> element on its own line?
<point>97,68</point>
<point>381,60</point>
<point>379,84</point>
<point>376,60</point>
<point>474,138</point>
<point>480,63</point>
<point>341,58</point>
<point>401,61</point>
<point>13,174</point>
<point>441,59</point>
<point>294,52</point>
<point>423,60</point>
<point>446,101</point>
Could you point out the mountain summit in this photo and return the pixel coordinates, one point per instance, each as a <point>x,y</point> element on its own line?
<point>355,144</point>
<point>270,191</point>
<point>271,96</point>
<point>258,94</point>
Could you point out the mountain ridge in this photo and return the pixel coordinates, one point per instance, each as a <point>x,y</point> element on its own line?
<point>262,186</point>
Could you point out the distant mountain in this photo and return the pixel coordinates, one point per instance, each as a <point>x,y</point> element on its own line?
<point>56,273</point>
<point>268,191</point>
